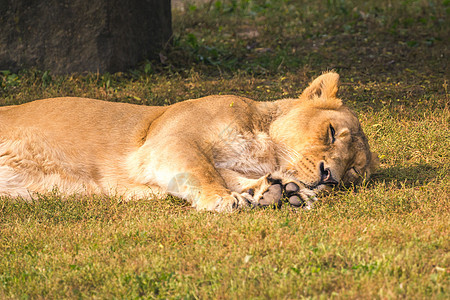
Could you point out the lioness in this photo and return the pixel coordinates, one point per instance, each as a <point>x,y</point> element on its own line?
<point>218,152</point>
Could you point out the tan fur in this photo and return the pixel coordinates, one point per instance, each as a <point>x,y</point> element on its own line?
<point>210,151</point>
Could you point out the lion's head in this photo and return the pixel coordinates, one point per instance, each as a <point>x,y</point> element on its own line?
<point>325,142</point>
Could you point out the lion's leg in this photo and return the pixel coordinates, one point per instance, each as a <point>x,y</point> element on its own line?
<point>204,187</point>
<point>188,174</point>
<point>11,184</point>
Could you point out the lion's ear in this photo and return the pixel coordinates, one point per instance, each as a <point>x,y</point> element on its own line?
<point>324,86</point>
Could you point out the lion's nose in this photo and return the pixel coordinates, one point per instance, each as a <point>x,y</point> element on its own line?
<point>325,176</point>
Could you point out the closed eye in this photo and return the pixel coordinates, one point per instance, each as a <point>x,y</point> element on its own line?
<point>332,134</point>
<point>356,171</point>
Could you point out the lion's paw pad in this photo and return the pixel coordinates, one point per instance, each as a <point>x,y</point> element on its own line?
<point>299,197</point>
<point>291,192</point>
<point>295,201</point>
<point>272,196</point>
<point>291,188</point>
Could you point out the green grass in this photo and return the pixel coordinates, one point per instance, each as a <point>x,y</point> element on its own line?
<point>385,240</point>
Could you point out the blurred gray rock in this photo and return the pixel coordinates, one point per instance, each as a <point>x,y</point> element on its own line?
<point>66,36</point>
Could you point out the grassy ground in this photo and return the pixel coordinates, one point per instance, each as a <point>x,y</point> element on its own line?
<point>388,239</point>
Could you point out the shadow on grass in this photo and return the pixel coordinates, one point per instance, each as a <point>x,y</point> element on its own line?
<point>407,176</point>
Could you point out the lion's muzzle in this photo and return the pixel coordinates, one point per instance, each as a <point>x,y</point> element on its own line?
<point>325,176</point>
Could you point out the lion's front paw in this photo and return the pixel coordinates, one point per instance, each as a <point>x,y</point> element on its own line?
<point>266,191</point>
<point>233,202</point>
<point>299,196</point>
